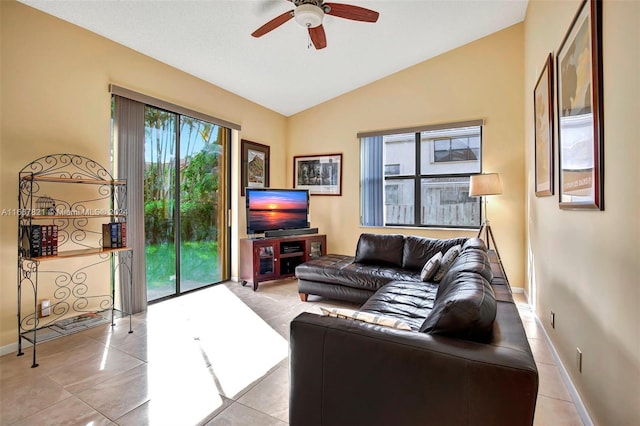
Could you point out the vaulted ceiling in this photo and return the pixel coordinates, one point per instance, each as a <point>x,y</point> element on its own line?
<point>211,39</point>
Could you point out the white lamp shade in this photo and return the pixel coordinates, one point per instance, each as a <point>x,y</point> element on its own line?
<point>485,184</point>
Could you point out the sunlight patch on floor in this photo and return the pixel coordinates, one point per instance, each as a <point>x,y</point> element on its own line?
<point>105,353</point>
<point>220,345</point>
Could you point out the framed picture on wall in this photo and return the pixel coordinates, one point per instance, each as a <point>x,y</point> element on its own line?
<point>580,111</point>
<point>543,114</point>
<point>255,165</point>
<point>320,174</point>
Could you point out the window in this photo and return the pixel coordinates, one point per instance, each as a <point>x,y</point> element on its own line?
<point>184,206</point>
<point>391,169</point>
<point>456,149</point>
<point>448,196</point>
<point>391,194</point>
<point>421,178</point>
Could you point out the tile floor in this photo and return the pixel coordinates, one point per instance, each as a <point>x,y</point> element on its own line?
<point>213,357</point>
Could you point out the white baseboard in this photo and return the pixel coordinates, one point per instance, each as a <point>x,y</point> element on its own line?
<point>13,348</point>
<point>573,392</point>
<point>575,396</point>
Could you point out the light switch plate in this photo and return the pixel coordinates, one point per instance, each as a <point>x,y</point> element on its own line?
<point>45,308</point>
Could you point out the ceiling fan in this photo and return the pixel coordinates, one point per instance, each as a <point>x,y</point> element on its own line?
<point>309,14</point>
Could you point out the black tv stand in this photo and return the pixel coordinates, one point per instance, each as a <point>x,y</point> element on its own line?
<point>289,232</point>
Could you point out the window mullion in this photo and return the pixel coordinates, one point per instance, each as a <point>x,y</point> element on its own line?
<point>176,215</point>
<point>417,195</point>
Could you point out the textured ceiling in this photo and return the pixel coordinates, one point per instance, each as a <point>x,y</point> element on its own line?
<point>211,40</point>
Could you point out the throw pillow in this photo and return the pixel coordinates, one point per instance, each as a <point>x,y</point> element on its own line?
<point>431,267</point>
<point>417,250</point>
<point>366,317</point>
<point>447,260</point>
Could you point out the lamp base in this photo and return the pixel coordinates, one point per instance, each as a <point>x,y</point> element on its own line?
<point>488,239</point>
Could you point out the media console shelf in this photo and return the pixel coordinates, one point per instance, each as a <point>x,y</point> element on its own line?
<point>267,259</point>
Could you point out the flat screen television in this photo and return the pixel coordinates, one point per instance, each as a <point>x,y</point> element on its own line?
<point>271,209</point>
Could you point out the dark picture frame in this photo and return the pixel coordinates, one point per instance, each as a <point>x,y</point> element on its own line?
<point>543,129</point>
<point>580,111</point>
<point>254,165</point>
<point>320,174</point>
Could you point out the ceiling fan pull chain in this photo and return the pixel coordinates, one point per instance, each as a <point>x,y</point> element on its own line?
<point>308,38</point>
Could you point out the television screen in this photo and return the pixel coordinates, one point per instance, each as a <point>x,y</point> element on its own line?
<point>273,209</point>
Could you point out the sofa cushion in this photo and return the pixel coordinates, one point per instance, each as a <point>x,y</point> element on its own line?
<point>446,262</point>
<point>409,301</point>
<point>343,270</point>
<point>469,260</point>
<point>474,243</point>
<point>380,249</point>
<point>431,267</point>
<point>466,309</point>
<point>365,317</point>
<point>417,250</point>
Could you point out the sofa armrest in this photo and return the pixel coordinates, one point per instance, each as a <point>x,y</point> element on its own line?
<point>348,372</point>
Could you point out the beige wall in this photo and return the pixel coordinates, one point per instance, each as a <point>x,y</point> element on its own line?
<point>480,80</point>
<point>55,98</point>
<point>584,265</point>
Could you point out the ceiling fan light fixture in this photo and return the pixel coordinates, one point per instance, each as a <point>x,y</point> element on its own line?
<point>308,15</point>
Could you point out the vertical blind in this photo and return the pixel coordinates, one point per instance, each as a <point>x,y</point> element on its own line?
<point>128,156</point>
<point>371,177</point>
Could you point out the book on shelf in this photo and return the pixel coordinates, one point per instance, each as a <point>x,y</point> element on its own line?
<point>49,240</point>
<point>43,240</point>
<point>106,235</point>
<point>114,235</point>
<point>119,234</point>
<point>32,240</point>
<point>40,240</point>
<point>109,235</point>
<point>124,233</point>
<point>54,240</point>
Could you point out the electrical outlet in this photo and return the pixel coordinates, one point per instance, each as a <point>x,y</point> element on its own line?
<point>579,359</point>
<point>553,319</point>
<point>45,308</point>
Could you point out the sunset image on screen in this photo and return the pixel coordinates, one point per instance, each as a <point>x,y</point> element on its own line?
<point>273,200</point>
<point>276,209</point>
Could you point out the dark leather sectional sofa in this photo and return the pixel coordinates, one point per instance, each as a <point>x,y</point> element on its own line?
<point>379,260</point>
<point>465,361</point>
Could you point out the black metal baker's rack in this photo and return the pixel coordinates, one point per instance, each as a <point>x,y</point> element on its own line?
<point>77,216</point>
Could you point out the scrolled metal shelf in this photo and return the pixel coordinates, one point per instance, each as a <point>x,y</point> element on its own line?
<point>72,180</point>
<point>80,253</point>
<point>70,168</point>
<point>71,215</point>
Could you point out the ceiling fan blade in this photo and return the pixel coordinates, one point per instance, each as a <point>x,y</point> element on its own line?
<point>355,13</point>
<point>318,37</point>
<point>273,24</point>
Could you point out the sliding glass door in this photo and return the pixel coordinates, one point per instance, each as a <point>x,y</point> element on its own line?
<point>185,200</point>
